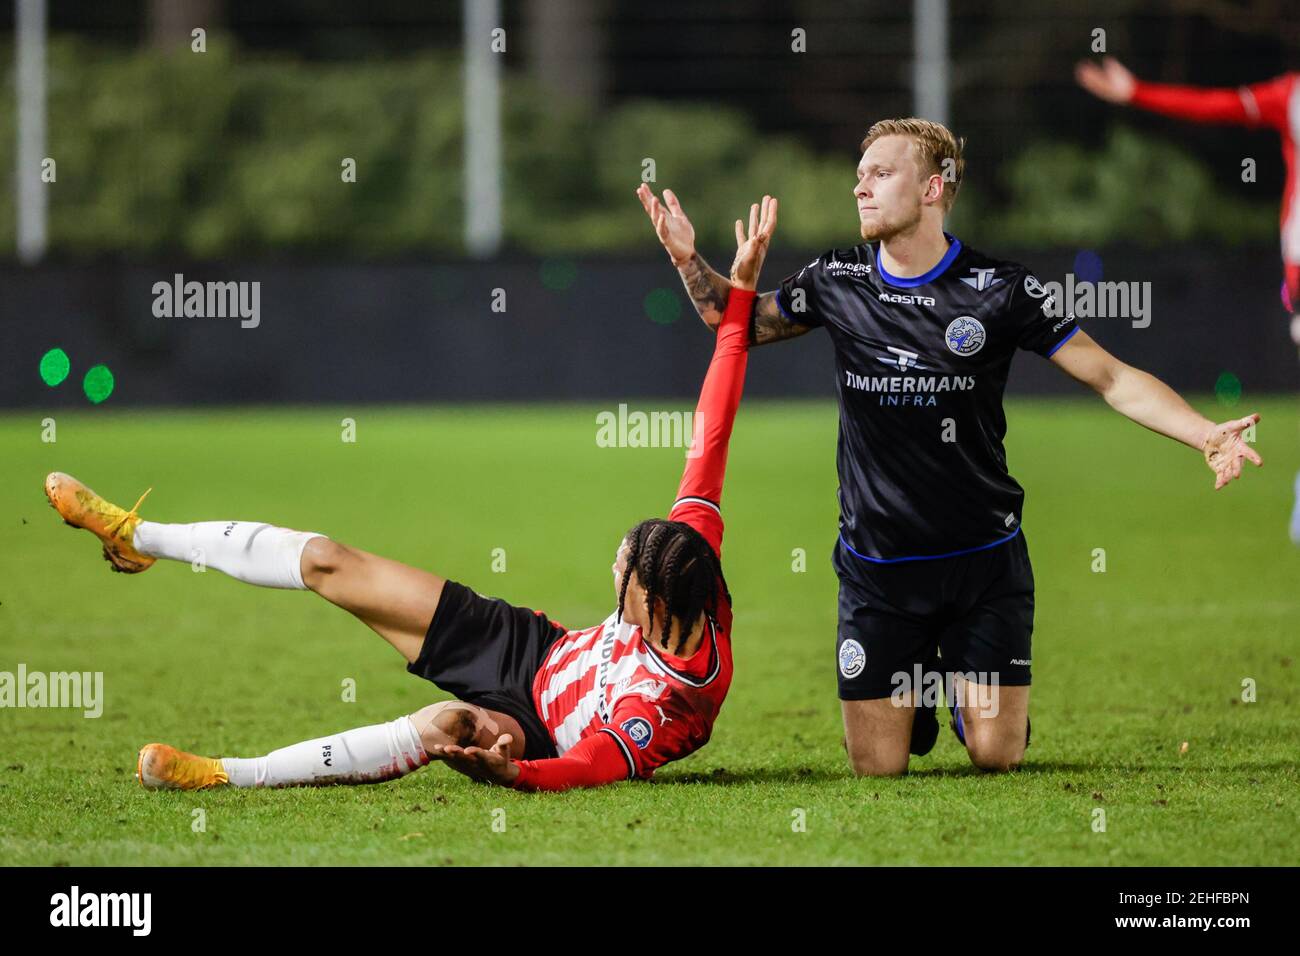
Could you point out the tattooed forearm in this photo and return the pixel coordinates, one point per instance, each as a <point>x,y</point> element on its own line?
<point>708,290</point>
<point>769,325</point>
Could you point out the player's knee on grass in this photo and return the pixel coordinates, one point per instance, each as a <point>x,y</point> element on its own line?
<point>991,748</point>
<point>868,760</point>
<point>454,722</point>
<point>321,558</point>
<point>877,737</point>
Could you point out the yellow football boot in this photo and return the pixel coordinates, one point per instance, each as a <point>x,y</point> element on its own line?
<point>161,767</point>
<point>115,528</point>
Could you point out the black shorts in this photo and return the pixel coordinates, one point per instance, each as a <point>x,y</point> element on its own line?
<point>487,652</point>
<point>974,611</point>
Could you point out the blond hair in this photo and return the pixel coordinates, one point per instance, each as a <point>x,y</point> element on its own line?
<point>937,150</point>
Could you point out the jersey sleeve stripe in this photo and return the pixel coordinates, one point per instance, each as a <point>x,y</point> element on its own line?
<point>1249,103</point>
<point>627,754</point>
<point>1053,349</point>
<point>688,499</point>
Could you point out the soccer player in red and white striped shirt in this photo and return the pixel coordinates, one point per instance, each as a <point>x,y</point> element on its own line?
<point>538,706</point>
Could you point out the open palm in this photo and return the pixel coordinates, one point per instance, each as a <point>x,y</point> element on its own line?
<point>671,225</point>
<point>1224,448</point>
<point>751,247</point>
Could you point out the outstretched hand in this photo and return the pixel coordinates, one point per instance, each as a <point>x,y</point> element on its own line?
<point>1224,448</point>
<point>751,248</point>
<point>671,225</point>
<point>1111,81</point>
<point>489,766</point>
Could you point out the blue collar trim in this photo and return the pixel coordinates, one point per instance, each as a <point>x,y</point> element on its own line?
<point>954,249</point>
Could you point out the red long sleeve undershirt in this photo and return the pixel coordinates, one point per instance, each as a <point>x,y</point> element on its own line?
<point>599,759</point>
<point>1259,104</point>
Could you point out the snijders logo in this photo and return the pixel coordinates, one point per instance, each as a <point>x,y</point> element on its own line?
<point>837,268</point>
<point>964,336</point>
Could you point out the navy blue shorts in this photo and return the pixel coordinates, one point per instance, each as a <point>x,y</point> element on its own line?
<point>975,611</point>
<point>486,652</point>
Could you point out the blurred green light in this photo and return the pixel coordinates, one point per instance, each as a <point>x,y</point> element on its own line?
<point>98,383</point>
<point>663,306</point>
<point>1227,389</point>
<point>558,274</point>
<point>55,366</point>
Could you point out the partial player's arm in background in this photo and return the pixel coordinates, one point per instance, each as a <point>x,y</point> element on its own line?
<point>1154,405</point>
<point>699,496</point>
<point>707,288</point>
<point>1259,104</point>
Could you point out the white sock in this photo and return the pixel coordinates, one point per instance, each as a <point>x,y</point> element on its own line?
<point>254,553</point>
<point>365,755</point>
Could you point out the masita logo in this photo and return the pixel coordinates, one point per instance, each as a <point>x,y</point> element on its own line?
<point>897,298</point>
<point>640,730</point>
<point>75,908</point>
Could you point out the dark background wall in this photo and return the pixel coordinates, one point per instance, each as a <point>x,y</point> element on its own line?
<point>571,330</point>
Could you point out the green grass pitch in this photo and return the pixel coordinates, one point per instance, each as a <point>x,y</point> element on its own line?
<point>1199,593</point>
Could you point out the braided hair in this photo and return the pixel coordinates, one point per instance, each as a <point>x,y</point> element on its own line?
<point>675,564</point>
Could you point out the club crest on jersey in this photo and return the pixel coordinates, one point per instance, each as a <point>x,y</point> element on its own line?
<point>640,730</point>
<point>964,336</point>
<point>853,659</point>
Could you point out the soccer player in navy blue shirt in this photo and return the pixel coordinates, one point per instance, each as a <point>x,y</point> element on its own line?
<point>936,587</point>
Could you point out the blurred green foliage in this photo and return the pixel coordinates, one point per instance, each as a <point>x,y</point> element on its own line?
<point>221,154</point>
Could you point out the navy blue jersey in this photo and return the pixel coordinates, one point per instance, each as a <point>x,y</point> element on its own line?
<point>921,365</point>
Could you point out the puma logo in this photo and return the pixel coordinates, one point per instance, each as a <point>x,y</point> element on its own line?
<point>663,718</point>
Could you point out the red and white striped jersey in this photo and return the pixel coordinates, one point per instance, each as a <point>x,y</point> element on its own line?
<point>607,679</point>
<point>604,691</point>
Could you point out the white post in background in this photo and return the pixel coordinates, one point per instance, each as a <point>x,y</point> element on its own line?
<point>29,19</point>
<point>482,128</point>
<point>930,80</point>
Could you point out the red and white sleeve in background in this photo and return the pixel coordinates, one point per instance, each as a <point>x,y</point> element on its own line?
<point>1273,103</point>
<point>1259,104</point>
